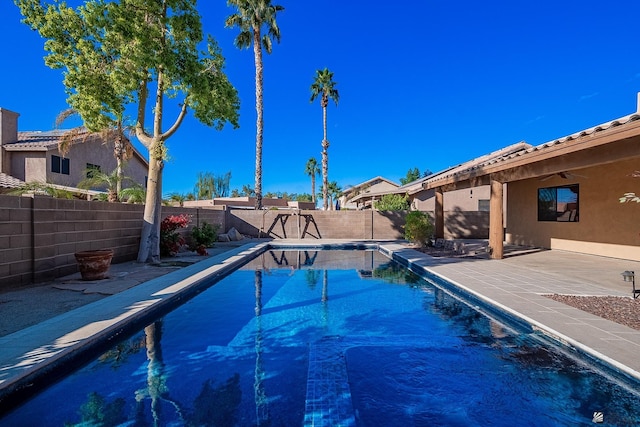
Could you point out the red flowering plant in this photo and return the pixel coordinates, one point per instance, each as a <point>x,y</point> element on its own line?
<point>170,239</point>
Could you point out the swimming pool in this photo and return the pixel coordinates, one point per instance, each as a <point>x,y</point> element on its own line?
<point>330,338</point>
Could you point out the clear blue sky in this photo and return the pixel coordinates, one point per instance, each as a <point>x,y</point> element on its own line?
<point>423,83</point>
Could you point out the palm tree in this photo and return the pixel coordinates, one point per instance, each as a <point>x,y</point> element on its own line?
<point>110,181</point>
<point>178,198</point>
<point>312,169</point>
<point>134,194</point>
<point>122,148</point>
<point>324,86</point>
<point>250,17</point>
<point>333,192</point>
<point>43,188</point>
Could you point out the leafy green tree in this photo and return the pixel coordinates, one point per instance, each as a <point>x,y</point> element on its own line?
<point>412,175</point>
<point>248,191</point>
<point>115,53</point>
<point>203,188</point>
<point>312,169</point>
<point>221,185</point>
<point>324,86</point>
<point>304,197</point>
<point>392,202</point>
<point>209,186</point>
<point>250,17</point>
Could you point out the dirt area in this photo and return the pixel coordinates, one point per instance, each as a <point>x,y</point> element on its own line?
<point>22,308</point>
<point>33,304</point>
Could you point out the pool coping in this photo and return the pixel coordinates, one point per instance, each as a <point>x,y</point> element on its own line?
<point>28,357</point>
<point>33,353</point>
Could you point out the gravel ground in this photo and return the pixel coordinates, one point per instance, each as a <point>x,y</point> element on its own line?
<point>622,310</point>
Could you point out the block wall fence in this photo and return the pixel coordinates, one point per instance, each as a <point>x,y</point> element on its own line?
<point>39,235</point>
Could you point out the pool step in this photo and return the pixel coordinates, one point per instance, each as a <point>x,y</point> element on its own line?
<point>328,400</point>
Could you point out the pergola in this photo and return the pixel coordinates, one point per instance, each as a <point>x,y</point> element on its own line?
<point>607,143</point>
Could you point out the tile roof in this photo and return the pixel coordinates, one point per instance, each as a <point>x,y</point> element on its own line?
<point>623,121</point>
<point>48,140</point>
<point>7,181</point>
<point>36,140</point>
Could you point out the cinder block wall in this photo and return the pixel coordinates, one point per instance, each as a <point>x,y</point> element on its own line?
<point>16,244</point>
<point>214,215</point>
<point>64,227</point>
<point>343,224</point>
<point>39,235</point>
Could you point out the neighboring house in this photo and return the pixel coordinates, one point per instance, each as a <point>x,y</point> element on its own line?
<point>33,156</point>
<point>249,203</point>
<point>563,194</point>
<point>359,196</point>
<point>423,199</point>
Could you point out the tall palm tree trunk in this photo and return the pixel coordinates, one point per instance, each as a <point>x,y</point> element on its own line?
<point>325,158</point>
<point>257,51</point>
<point>313,188</point>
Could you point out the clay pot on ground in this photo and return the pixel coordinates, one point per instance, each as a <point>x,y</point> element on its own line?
<point>94,265</point>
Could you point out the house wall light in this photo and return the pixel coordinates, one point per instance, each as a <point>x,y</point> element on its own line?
<point>630,276</point>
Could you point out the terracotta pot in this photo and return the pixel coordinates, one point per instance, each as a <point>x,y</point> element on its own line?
<point>94,265</point>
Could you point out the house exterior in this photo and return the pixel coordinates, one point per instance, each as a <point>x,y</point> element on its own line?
<point>422,198</point>
<point>564,194</point>
<point>249,203</point>
<point>33,156</point>
<point>360,196</point>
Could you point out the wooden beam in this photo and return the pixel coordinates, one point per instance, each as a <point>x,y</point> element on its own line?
<point>439,214</point>
<point>496,225</point>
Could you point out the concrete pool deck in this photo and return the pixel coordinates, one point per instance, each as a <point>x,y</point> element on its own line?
<point>515,284</point>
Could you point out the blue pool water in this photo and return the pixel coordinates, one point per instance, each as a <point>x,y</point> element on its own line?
<point>330,338</point>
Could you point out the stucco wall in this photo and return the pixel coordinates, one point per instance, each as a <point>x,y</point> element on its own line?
<point>458,200</point>
<point>36,166</point>
<point>606,227</point>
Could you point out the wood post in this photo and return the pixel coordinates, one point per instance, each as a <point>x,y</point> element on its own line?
<point>496,226</point>
<point>439,214</point>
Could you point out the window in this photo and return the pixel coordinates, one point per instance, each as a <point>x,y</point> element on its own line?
<point>483,205</point>
<point>92,169</point>
<point>558,204</point>
<point>59,165</point>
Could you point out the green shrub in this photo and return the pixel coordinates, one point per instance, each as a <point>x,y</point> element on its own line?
<point>392,202</point>
<point>418,227</point>
<point>204,236</point>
